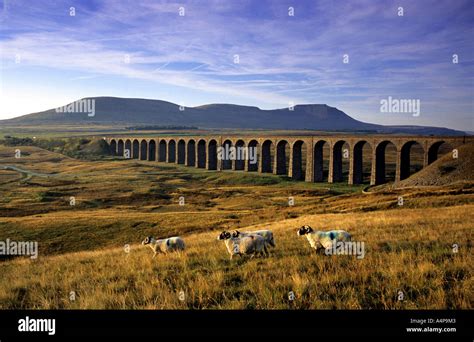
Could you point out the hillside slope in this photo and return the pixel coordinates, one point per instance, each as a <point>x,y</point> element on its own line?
<point>130,111</point>
<point>157,112</point>
<point>446,170</point>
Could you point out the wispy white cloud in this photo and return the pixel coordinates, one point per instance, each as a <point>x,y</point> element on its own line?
<point>281,58</point>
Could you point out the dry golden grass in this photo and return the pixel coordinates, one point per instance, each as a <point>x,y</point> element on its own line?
<point>407,250</point>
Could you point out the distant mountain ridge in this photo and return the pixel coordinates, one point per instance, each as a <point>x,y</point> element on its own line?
<point>134,111</point>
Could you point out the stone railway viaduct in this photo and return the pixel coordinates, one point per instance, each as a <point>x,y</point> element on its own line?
<point>304,160</point>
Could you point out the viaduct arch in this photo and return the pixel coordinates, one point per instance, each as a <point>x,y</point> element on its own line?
<point>306,158</point>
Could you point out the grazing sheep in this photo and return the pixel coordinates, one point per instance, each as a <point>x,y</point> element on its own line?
<point>319,239</point>
<point>171,244</point>
<point>244,245</point>
<point>266,234</point>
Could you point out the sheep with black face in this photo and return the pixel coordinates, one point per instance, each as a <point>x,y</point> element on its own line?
<point>245,245</point>
<point>320,239</point>
<point>164,246</point>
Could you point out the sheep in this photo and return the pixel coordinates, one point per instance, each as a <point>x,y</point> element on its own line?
<point>248,245</point>
<point>266,234</point>
<point>164,245</point>
<point>320,239</point>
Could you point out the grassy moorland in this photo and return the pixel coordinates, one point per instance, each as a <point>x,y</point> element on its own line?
<point>409,248</point>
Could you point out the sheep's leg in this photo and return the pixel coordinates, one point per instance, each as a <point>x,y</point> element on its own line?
<point>321,250</point>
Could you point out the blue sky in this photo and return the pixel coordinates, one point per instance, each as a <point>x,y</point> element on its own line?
<point>146,49</point>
